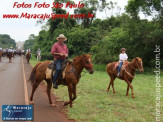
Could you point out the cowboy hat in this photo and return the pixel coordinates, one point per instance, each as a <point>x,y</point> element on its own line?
<point>10,47</point>
<point>61,36</point>
<point>123,49</point>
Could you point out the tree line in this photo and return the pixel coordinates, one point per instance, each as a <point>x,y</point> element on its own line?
<point>6,41</point>
<point>105,37</point>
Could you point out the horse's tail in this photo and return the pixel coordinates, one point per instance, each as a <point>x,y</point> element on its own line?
<point>33,73</point>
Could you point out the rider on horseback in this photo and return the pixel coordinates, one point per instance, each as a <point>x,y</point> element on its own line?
<point>38,55</point>
<point>38,52</point>
<point>29,51</point>
<point>0,48</point>
<point>60,52</point>
<point>10,50</point>
<point>122,58</point>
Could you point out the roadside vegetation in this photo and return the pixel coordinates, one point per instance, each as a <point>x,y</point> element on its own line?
<point>6,41</point>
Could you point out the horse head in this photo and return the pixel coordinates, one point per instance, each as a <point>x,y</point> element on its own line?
<point>139,64</point>
<point>88,65</point>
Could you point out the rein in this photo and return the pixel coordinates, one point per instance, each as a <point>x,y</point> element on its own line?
<point>134,67</point>
<point>129,74</point>
<point>73,70</point>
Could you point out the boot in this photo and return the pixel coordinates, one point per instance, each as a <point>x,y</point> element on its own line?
<point>55,86</point>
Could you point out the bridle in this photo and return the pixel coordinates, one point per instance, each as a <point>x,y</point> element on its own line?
<point>88,66</point>
<point>132,76</point>
<point>134,67</point>
<point>138,66</point>
<point>85,66</point>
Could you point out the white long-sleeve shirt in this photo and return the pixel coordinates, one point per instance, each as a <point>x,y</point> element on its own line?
<point>10,50</point>
<point>123,57</point>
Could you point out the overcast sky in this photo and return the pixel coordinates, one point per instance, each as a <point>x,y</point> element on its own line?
<point>20,29</point>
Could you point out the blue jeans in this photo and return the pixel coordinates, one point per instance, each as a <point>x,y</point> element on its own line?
<point>57,69</point>
<point>120,66</point>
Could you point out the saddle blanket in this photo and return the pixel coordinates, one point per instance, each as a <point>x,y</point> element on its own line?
<point>50,71</point>
<point>123,66</point>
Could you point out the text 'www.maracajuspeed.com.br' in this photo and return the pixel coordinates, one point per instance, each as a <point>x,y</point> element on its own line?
<point>46,16</point>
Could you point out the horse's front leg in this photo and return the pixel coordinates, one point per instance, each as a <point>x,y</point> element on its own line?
<point>49,85</point>
<point>74,92</point>
<point>70,90</point>
<point>129,84</point>
<point>127,90</point>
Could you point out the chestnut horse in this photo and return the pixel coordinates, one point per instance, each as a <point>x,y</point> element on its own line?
<point>10,54</point>
<point>126,74</point>
<point>72,76</point>
<point>28,56</point>
<point>0,56</point>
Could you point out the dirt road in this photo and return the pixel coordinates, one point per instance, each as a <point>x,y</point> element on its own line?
<point>12,92</point>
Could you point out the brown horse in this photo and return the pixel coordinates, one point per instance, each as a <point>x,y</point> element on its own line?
<point>10,54</point>
<point>126,74</point>
<point>0,56</point>
<point>72,76</point>
<point>28,56</point>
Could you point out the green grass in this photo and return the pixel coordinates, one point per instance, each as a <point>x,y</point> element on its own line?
<point>93,103</point>
<point>99,67</point>
<point>33,61</point>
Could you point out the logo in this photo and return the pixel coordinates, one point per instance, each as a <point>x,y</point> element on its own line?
<point>17,112</point>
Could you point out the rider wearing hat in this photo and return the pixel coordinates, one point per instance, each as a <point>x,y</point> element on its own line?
<point>10,50</point>
<point>38,51</point>
<point>60,52</point>
<point>122,58</point>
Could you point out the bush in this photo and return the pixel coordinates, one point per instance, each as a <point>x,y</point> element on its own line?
<point>46,56</point>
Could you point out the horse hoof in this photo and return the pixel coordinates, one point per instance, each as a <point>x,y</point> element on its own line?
<point>114,92</point>
<point>71,106</point>
<point>107,90</point>
<point>127,95</point>
<point>66,103</point>
<point>31,103</point>
<point>53,105</point>
<point>133,96</point>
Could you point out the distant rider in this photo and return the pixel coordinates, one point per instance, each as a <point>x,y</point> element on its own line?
<point>38,52</point>
<point>29,51</point>
<point>10,50</point>
<point>38,55</point>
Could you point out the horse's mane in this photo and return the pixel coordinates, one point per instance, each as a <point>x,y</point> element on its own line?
<point>77,57</point>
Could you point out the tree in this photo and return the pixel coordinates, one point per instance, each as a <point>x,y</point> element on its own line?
<point>147,6</point>
<point>6,41</point>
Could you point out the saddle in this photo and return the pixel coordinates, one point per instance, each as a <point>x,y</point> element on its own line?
<point>123,66</point>
<point>51,71</point>
<point>122,69</point>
